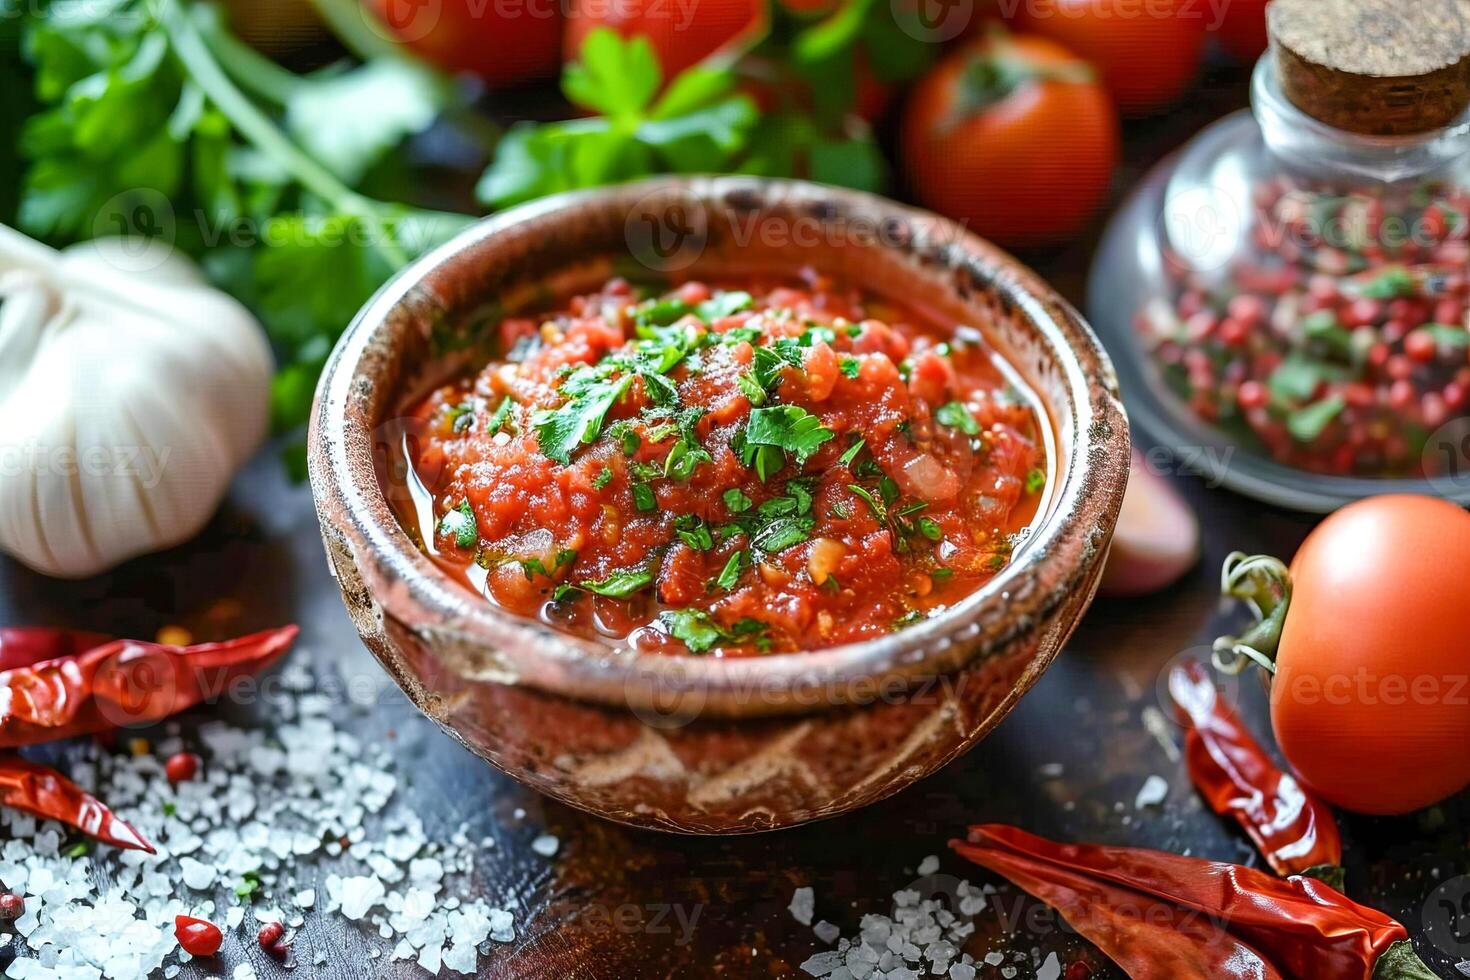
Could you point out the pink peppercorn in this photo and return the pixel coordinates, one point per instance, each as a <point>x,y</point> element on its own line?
<point>1420,346</point>
<point>271,939</point>
<point>12,906</point>
<point>181,767</point>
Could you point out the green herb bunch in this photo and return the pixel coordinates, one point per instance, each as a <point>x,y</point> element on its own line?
<point>155,121</point>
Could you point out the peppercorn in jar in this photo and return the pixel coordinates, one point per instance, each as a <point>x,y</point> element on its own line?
<point>1290,298</point>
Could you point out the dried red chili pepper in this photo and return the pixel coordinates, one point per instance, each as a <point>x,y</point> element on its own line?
<point>1150,939</point>
<point>125,682</point>
<point>1299,926</point>
<point>1294,831</point>
<point>47,793</point>
<point>22,646</point>
<point>198,937</point>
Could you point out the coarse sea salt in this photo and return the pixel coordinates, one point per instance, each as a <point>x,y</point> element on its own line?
<point>263,824</point>
<point>923,937</point>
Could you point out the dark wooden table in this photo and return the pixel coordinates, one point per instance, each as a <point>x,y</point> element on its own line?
<point>619,904</point>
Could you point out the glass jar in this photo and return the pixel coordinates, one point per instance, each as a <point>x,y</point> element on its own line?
<point>1288,305</point>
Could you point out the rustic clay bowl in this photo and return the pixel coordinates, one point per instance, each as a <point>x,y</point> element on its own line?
<point>693,744</point>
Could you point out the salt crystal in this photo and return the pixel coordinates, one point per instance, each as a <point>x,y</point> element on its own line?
<point>1050,970</point>
<point>803,903</point>
<point>826,931</point>
<point>305,899</point>
<point>546,845</point>
<point>1152,793</point>
<point>962,971</point>
<point>244,972</point>
<point>929,865</point>
<point>994,958</point>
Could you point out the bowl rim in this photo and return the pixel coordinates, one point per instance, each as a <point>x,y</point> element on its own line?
<point>493,644</point>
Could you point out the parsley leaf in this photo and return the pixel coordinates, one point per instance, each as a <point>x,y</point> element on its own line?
<point>561,431</point>
<point>852,452</point>
<point>701,633</point>
<point>622,583</point>
<point>724,304</point>
<point>957,416</point>
<point>694,532</point>
<point>783,533</point>
<point>850,366</point>
<point>501,418</point>
<point>602,479</point>
<point>787,427</point>
<point>698,125</point>
<point>460,524</point>
<point>729,576</point>
<point>736,501</point>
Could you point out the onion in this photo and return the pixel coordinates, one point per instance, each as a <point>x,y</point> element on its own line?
<point>928,479</point>
<point>1157,538</point>
<point>827,554</point>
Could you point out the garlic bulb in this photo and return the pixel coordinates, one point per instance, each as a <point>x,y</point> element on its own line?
<point>130,392</point>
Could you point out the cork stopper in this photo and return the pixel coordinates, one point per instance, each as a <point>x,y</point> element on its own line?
<point>1377,67</point>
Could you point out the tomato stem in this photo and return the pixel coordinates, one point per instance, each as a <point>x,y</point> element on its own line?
<point>1264,584</point>
<point>1400,962</point>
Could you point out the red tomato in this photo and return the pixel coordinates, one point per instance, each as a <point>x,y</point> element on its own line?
<point>1371,702</point>
<point>1010,135</point>
<point>1242,29</point>
<point>504,42</point>
<point>1148,53</point>
<point>682,32</point>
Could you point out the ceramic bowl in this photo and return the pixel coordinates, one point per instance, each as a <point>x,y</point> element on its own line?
<point>698,744</point>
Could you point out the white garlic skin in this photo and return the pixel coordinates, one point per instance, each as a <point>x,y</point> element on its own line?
<point>130,393</point>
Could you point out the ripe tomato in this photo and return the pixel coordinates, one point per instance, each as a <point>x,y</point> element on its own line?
<point>1147,53</point>
<point>1370,701</point>
<point>504,42</point>
<point>682,34</point>
<point>1242,29</point>
<point>1011,136</point>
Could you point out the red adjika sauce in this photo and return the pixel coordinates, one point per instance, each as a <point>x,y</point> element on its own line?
<point>735,470</point>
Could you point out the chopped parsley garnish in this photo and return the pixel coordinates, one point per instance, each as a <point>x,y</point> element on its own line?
<point>623,582</point>
<point>852,451</point>
<point>684,458</point>
<point>909,618</point>
<point>725,304</point>
<point>1035,480</point>
<point>643,497</point>
<point>602,479</point>
<point>929,528</point>
<point>694,532</point>
<point>782,533</point>
<point>942,574</point>
<point>875,504</point>
<point>736,501</point>
<point>460,524</point>
<point>748,335</point>
<point>751,388</point>
<point>562,430</point>
<point>957,416</point>
<point>700,633</point>
<point>500,420</point>
<point>730,575</point>
<point>566,556</point>
<point>817,334</point>
<point>850,366</point>
<point>533,567</point>
<point>789,428</point>
<point>767,362</point>
<point>461,416</point>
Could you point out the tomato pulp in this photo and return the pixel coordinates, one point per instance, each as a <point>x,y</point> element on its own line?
<point>729,470</point>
